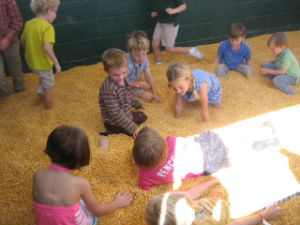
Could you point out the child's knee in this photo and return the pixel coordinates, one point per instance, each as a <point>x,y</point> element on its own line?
<point>169,49</point>
<point>244,69</point>
<point>222,70</point>
<point>147,97</point>
<point>277,81</point>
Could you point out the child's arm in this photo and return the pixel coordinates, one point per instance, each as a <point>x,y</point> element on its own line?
<point>179,9</point>
<point>270,213</point>
<point>248,62</point>
<point>217,60</point>
<point>153,14</point>
<point>121,200</point>
<point>220,53</point>
<point>48,49</point>
<point>149,79</point>
<point>196,192</point>
<point>265,71</point>
<point>262,64</point>
<point>178,106</point>
<point>143,85</point>
<point>204,102</point>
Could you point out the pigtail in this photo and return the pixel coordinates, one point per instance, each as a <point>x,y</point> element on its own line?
<point>194,92</point>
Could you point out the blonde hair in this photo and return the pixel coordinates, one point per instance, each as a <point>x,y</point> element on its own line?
<point>114,58</point>
<point>161,210</point>
<point>41,6</point>
<point>237,30</point>
<point>279,39</point>
<point>149,149</point>
<point>137,41</point>
<point>179,71</point>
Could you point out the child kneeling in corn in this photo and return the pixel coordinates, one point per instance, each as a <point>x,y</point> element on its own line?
<point>194,85</point>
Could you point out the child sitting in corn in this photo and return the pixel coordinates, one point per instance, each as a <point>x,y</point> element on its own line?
<point>115,97</point>
<point>234,54</point>
<point>193,86</point>
<point>284,70</point>
<point>138,45</point>
<point>176,158</point>
<point>62,198</point>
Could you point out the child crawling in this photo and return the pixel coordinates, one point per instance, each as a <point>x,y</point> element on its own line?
<point>176,158</point>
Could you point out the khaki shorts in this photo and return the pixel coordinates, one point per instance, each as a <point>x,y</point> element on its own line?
<point>137,92</point>
<point>166,33</point>
<point>46,78</point>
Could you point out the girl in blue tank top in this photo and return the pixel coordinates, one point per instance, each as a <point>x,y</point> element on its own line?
<point>193,86</point>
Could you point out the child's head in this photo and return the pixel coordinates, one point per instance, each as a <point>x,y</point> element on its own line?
<point>45,7</point>
<point>138,45</point>
<point>278,42</point>
<point>170,209</point>
<point>115,63</point>
<point>68,147</point>
<point>180,79</point>
<point>237,34</point>
<point>236,30</point>
<point>149,149</point>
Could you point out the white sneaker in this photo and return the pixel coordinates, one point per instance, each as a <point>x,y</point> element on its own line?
<point>195,52</point>
<point>40,90</point>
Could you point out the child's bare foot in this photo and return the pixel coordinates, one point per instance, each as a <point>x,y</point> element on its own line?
<point>103,144</point>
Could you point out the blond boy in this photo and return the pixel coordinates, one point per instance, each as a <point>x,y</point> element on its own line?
<point>138,45</point>
<point>37,39</point>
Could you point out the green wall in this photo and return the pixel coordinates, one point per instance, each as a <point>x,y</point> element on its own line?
<point>86,28</point>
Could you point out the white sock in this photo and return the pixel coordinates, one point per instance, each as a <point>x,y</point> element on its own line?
<point>195,52</point>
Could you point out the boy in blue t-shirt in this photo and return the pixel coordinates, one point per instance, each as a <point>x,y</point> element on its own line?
<point>234,54</point>
<point>284,70</point>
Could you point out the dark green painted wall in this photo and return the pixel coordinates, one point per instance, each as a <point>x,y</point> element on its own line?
<point>85,28</point>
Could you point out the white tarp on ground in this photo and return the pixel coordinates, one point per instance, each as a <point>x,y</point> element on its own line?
<point>259,174</point>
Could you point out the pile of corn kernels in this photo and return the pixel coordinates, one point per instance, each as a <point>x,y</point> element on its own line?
<point>25,126</point>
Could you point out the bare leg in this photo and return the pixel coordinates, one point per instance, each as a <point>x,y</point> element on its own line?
<point>48,98</point>
<point>156,50</point>
<point>178,50</point>
<point>147,97</point>
<point>103,144</point>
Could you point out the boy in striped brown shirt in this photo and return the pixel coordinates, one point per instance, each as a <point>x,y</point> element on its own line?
<point>116,99</point>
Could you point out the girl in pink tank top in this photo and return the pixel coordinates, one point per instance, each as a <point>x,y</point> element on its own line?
<point>61,198</point>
